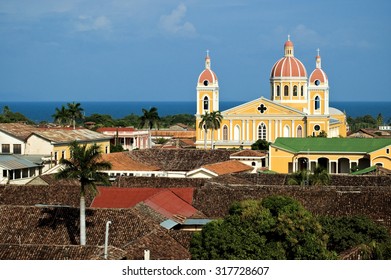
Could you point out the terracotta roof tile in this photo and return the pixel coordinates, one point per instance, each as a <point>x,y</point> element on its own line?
<point>249,153</point>
<point>123,161</point>
<point>227,167</point>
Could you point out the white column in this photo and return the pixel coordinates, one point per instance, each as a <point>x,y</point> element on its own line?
<point>230,130</point>
<point>269,128</point>
<point>247,130</point>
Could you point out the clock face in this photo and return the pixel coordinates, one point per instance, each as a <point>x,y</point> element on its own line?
<point>206,82</point>
<point>317,82</point>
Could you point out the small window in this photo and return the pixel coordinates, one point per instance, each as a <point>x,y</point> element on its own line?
<point>206,83</point>
<point>225,133</point>
<point>317,82</point>
<point>206,103</point>
<point>387,151</point>
<point>253,163</point>
<point>4,173</point>
<point>294,90</point>
<point>17,149</point>
<point>63,154</point>
<point>317,127</point>
<point>5,148</point>
<point>286,90</point>
<point>278,91</point>
<point>302,91</point>
<point>55,156</point>
<point>317,103</point>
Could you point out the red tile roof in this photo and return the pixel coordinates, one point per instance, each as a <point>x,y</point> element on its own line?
<point>169,204</point>
<point>114,197</point>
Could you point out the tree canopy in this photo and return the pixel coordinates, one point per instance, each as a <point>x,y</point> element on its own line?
<point>275,228</point>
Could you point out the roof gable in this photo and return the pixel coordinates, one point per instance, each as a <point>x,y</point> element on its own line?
<point>254,107</point>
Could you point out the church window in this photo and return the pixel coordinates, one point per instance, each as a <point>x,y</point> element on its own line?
<point>317,103</point>
<point>317,82</point>
<point>225,133</point>
<point>299,131</point>
<point>278,90</point>
<point>317,127</point>
<point>286,90</point>
<point>286,131</point>
<point>262,131</point>
<point>206,83</point>
<point>294,90</point>
<point>237,133</point>
<point>387,151</point>
<point>302,91</point>
<point>206,103</point>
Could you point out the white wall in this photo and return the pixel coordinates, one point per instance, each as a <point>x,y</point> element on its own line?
<point>37,146</point>
<point>7,139</point>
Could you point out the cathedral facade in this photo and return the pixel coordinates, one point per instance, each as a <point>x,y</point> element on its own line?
<point>298,107</point>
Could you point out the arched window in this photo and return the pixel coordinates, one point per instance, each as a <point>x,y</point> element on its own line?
<point>294,90</point>
<point>262,131</point>
<point>286,90</point>
<point>286,131</point>
<point>278,91</point>
<point>317,103</point>
<point>206,103</point>
<point>236,133</point>
<point>225,133</point>
<point>299,131</point>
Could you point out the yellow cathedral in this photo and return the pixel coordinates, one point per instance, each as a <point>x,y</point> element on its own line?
<point>298,107</point>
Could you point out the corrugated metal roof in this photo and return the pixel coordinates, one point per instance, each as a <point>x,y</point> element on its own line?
<point>12,162</point>
<point>69,135</point>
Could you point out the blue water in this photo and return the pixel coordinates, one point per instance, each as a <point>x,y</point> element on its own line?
<point>43,111</point>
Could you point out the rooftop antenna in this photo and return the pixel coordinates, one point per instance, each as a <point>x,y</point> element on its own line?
<point>107,238</point>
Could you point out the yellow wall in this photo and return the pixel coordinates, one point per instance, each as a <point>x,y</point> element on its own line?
<point>65,147</point>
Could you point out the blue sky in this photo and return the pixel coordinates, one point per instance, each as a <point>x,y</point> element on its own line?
<point>152,50</point>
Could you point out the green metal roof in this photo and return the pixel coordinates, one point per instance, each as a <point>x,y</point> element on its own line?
<point>365,170</point>
<point>330,145</point>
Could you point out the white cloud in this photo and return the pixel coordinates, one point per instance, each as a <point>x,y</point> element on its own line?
<point>174,22</point>
<point>88,23</point>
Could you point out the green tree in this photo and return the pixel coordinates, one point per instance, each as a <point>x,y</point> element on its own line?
<point>260,144</point>
<point>205,125</point>
<point>85,164</point>
<point>150,119</point>
<point>75,112</point>
<point>8,116</point>
<point>320,177</point>
<point>275,228</point>
<point>61,116</point>
<point>379,120</point>
<point>215,123</point>
<point>299,178</point>
<point>348,232</point>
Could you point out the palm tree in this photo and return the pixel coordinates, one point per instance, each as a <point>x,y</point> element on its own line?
<point>150,119</point>
<point>215,123</point>
<point>61,116</point>
<point>204,124</point>
<point>85,165</point>
<point>320,177</point>
<point>75,112</point>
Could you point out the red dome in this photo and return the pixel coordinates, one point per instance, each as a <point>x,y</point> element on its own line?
<point>288,66</point>
<point>288,44</point>
<point>318,74</point>
<point>207,75</point>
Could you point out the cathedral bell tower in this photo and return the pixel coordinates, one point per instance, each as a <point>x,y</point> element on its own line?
<point>207,89</point>
<point>318,90</point>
